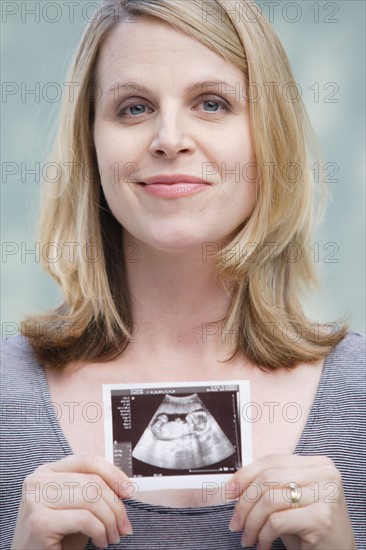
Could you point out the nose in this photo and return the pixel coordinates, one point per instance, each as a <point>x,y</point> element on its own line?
<point>171,137</point>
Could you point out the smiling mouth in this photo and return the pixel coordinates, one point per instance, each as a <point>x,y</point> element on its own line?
<point>173,190</point>
<point>173,179</point>
<point>171,184</point>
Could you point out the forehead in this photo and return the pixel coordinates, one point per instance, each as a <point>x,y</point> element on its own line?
<point>149,47</point>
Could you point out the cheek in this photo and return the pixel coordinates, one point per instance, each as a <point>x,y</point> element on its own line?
<point>242,148</point>
<point>119,158</point>
<point>113,169</point>
<point>235,156</point>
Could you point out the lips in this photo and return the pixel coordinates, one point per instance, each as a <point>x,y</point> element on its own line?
<point>174,179</point>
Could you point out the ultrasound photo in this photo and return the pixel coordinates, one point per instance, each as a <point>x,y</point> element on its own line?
<point>178,434</point>
<point>182,434</point>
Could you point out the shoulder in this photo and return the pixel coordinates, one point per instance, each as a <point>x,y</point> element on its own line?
<point>16,349</point>
<point>350,353</point>
<point>353,344</point>
<point>345,367</point>
<point>18,361</point>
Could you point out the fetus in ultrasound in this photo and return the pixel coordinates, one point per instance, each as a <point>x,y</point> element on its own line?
<point>174,426</point>
<point>182,434</point>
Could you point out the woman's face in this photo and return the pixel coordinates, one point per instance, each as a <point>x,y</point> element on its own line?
<point>148,122</point>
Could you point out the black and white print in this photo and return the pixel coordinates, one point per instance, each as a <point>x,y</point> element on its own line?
<point>177,434</point>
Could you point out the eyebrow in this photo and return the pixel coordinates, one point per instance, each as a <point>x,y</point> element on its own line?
<point>188,88</point>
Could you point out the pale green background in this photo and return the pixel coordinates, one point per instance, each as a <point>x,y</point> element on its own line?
<point>319,52</point>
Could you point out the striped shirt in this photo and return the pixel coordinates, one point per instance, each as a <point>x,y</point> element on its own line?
<point>31,435</point>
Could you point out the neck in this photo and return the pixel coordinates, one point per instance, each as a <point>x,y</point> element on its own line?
<point>177,304</point>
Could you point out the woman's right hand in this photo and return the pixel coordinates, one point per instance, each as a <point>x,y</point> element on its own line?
<point>78,496</point>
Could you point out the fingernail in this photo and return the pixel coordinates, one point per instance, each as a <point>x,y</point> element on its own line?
<point>117,540</point>
<point>243,541</point>
<point>230,487</point>
<point>235,523</point>
<point>127,528</point>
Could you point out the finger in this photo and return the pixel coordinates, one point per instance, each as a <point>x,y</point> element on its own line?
<point>252,514</point>
<point>95,500</point>
<point>74,490</point>
<point>298,521</point>
<point>268,504</point>
<point>66,522</point>
<point>247,474</point>
<point>93,464</point>
<point>273,479</point>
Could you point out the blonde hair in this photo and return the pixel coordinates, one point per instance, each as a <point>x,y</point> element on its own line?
<point>265,316</point>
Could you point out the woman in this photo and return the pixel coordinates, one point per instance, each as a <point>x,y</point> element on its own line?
<point>186,210</point>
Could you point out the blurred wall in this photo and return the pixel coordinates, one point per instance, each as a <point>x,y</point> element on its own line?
<point>325,42</point>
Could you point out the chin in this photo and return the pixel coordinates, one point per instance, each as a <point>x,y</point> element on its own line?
<point>178,246</point>
<point>174,242</point>
<point>171,239</point>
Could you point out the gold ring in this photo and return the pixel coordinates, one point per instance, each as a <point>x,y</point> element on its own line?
<point>295,493</point>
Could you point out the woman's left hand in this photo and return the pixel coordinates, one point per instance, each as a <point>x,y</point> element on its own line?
<point>297,498</point>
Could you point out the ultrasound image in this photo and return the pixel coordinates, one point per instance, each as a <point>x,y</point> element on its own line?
<point>182,434</point>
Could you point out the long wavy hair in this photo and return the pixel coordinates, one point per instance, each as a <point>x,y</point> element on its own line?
<point>268,261</point>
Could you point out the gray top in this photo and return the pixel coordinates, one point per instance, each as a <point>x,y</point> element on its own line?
<point>31,435</point>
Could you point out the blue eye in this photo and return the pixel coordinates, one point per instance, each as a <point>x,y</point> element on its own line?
<point>138,106</point>
<point>216,101</point>
<point>212,102</point>
<point>137,109</point>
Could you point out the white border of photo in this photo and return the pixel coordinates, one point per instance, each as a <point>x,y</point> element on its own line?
<point>196,481</point>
